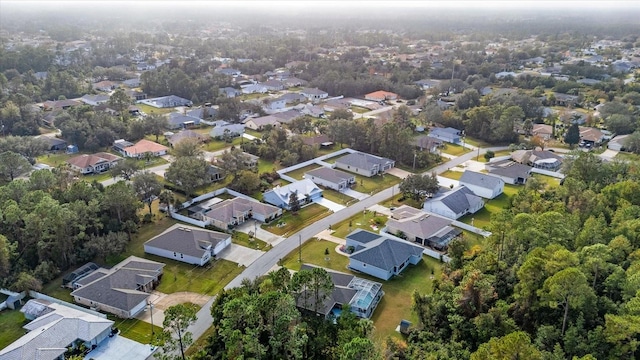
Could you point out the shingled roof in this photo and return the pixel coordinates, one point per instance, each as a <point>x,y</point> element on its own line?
<point>383,252</point>
<point>187,240</point>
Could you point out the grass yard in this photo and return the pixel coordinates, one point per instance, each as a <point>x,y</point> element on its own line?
<point>246,241</point>
<point>11,322</point>
<point>293,223</point>
<point>208,279</point>
<point>298,173</point>
<point>266,166</point>
<point>200,343</point>
<point>134,329</point>
<point>452,174</point>
<point>395,202</point>
<point>253,133</point>
<point>337,197</point>
<point>359,109</point>
<point>497,154</point>
<point>55,159</point>
<point>360,221</point>
<point>477,142</point>
<point>375,184</point>
<point>628,156</point>
<point>455,150</point>
<point>152,110</point>
<point>395,304</point>
<point>550,181</point>
<point>482,218</point>
<point>217,145</point>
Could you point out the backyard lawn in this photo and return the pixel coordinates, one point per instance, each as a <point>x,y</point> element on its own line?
<point>266,166</point>
<point>497,154</point>
<point>152,110</point>
<point>455,150</point>
<point>452,174</point>
<point>134,329</point>
<point>217,145</point>
<point>396,302</point>
<point>291,223</point>
<point>298,173</point>
<point>11,322</point>
<point>482,218</point>
<point>364,221</point>
<point>55,159</point>
<point>359,110</point>
<point>628,156</point>
<point>208,279</point>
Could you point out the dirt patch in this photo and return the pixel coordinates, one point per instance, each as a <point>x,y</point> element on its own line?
<point>181,298</point>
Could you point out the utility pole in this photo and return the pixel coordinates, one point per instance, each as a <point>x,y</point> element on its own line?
<point>151,310</point>
<point>300,248</point>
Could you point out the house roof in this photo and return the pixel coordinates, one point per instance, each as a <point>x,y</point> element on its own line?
<point>426,142</point>
<point>199,112</point>
<point>363,160</point>
<point>384,252</point>
<point>233,129</point>
<point>312,91</point>
<point>445,132</point>
<point>273,83</point>
<point>480,179</point>
<point>459,199</point>
<point>145,146</point>
<point>381,95</point>
<point>542,129</point>
<point>54,141</point>
<point>315,140</point>
<point>331,175</point>
<point>187,240</point>
<point>95,98</point>
<point>229,209</point>
<point>85,160</point>
<point>527,157</point>
<point>185,134</point>
<point>285,117</point>
<point>302,187</point>
<point>590,134</point>
<point>418,223</point>
<point>291,97</point>
<point>178,119</point>
<point>117,288</point>
<point>264,120</point>
<point>509,169</point>
<point>54,330</point>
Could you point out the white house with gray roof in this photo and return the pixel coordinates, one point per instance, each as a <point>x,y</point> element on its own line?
<point>425,229</point>
<point>331,178</point>
<point>483,185</point>
<point>122,290</point>
<point>188,244</point>
<point>314,94</point>
<point>455,203</point>
<point>305,190</point>
<point>379,255</point>
<point>233,212</point>
<point>364,164</point>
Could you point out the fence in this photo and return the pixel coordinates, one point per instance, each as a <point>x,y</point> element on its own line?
<point>548,173</point>
<point>429,252</point>
<point>37,295</point>
<point>471,228</point>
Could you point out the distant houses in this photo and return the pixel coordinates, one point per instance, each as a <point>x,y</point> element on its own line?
<point>166,102</point>
<point>181,121</point>
<point>93,164</point>
<point>305,190</point>
<point>139,149</point>
<point>364,164</point>
<point>188,244</point>
<point>539,159</point>
<point>449,135</point>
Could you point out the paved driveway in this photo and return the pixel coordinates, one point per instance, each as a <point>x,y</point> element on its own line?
<point>329,204</point>
<point>240,254</point>
<point>262,234</point>
<point>119,347</point>
<point>398,172</point>
<point>609,154</point>
<point>355,194</point>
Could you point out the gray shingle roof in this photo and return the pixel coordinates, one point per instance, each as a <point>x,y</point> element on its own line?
<point>187,240</point>
<point>385,253</point>
<point>459,199</point>
<point>332,175</point>
<point>363,160</point>
<point>510,169</point>
<point>479,179</point>
<point>421,224</point>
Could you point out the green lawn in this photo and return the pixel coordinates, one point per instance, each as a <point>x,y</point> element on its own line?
<point>134,329</point>
<point>11,322</point>
<point>247,241</point>
<point>550,181</point>
<point>497,154</point>
<point>208,279</point>
<point>55,159</point>
<point>455,150</point>
<point>482,218</point>
<point>337,197</point>
<point>359,109</point>
<point>452,174</point>
<point>298,173</point>
<point>217,145</point>
<point>375,184</point>
<point>295,222</point>
<point>152,110</point>
<point>266,166</point>
<point>395,304</point>
<point>477,142</point>
<point>359,221</point>
<point>628,156</point>
<point>253,133</point>
<point>252,96</point>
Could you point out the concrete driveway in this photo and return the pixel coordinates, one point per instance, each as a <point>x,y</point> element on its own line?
<point>240,254</point>
<point>398,172</point>
<point>329,204</point>
<point>262,234</point>
<point>608,154</point>
<point>355,194</point>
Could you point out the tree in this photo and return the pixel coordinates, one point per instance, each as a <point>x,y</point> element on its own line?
<point>567,288</point>
<point>155,125</point>
<point>516,345</point>
<point>110,244</point>
<point>246,182</point>
<point>359,349</point>
<point>573,135</point>
<point>125,168</point>
<point>6,254</point>
<point>418,186</point>
<point>13,165</point>
<point>527,127</point>
<point>147,188</point>
<point>177,319</point>
<point>188,172</point>
<point>621,124</point>
<point>26,282</point>
<point>632,142</point>
<point>120,101</point>
<point>294,203</point>
<point>187,147</point>
<point>166,197</point>
<point>233,161</point>
<point>489,155</point>
<point>344,114</point>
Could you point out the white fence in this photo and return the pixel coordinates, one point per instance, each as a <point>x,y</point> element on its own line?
<point>37,295</point>
<point>188,220</point>
<point>554,174</point>
<point>319,161</point>
<point>429,252</point>
<point>471,228</point>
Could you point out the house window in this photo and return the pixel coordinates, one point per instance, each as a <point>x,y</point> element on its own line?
<point>181,256</point>
<point>364,265</point>
<point>174,254</point>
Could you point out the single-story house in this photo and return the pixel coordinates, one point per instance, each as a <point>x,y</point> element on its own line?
<point>94,163</point>
<point>509,171</point>
<point>361,295</point>
<point>259,123</point>
<point>380,255</point>
<point>132,83</point>
<point>136,95</point>
<point>255,89</point>
<point>317,141</point>
<point>60,104</point>
<point>426,84</point>
<point>166,102</point>
<point>233,212</point>
<point>331,178</point>
<point>186,134</point>
<point>232,130</point>
<point>314,94</point>
<point>105,85</point>
<point>230,92</point>
<point>181,121</point>
<point>591,135</point>
<point>364,164</point>
<point>455,203</point>
<point>250,160</point>
<point>542,130</point>
<point>79,273</point>
<point>55,144</point>
<point>203,113</point>
<point>54,328</point>
<point>428,143</point>
<point>293,82</point>
<point>618,143</point>
<point>273,85</point>
<point>565,99</point>
<point>539,159</point>
<point>483,185</point>
<point>122,290</point>
<point>449,134</point>
<point>143,147</point>
<point>312,110</point>
<point>229,72</point>
<point>381,96</point>
<point>305,189</point>
<point>285,117</point>
<point>425,229</point>
<point>188,244</point>
<point>95,100</point>
<point>275,104</point>
<point>290,98</point>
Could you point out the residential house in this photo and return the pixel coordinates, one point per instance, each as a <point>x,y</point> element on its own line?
<point>255,89</point>
<point>77,274</point>
<point>188,244</point>
<point>214,174</point>
<point>180,121</point>
<point>230,213</point>
<point>132,83</point>
<point>331,178</point>
<point>55,144</point>
<point>539,159</point>
<point>273,85</point>
<point>143,147</point>
<point>312,110</point>
<point>56,327</point>
<point>186,134</point>
<point>233,130</point>
<point>425,229</point>
<point>427,143</point>
<point>361,295</point>
<point>306,191</point>
<point>136,95</point>
<point>483,185</point>
<point>449,134</point>
<point>167,102</point>
<point>590,135</point>
<point>251,160</point>
<point>455,203</point>
<point>260,123</point>
<point>230,92</point>
<point>314,94</point>
<point>618,143</point>
<point>60,104</point>
<point>93,164</point>
<point>542,130</point>
<point>379,255</point>
<point>364,164</point>
<point>317,141</point>
<point>122,290</point>
<point>95,100</point>
<point>380,96</point>
<point>565,99</point>
<point>275,104</point>
<point>294,82</point>
<point>229,72</point>
<point>292,98</point>
<point>286,117</point>
<point>203,113</point>
<point>335,104</point>
<point>426,84</point>
<point>509,171</point>
<point>105,86</point>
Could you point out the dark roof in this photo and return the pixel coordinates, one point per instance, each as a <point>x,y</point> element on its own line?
<point>187,240</point>
<point>363,160</point>
<point>363,237</point>
<point>479,179</point>
<point>420,224</point>
<point>459,199</point>
<point>509,169</point>
<point>385,253</point>
<point>332,175</point>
